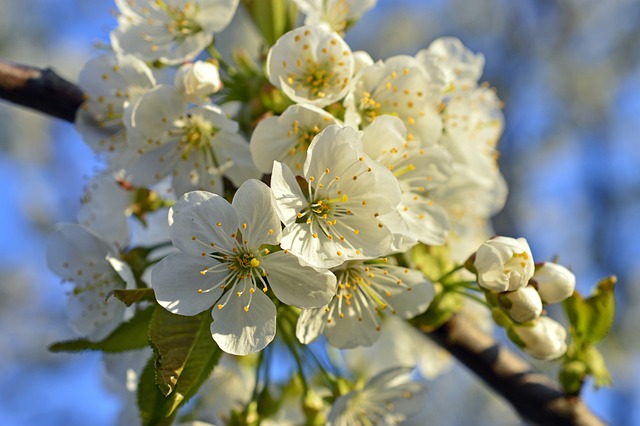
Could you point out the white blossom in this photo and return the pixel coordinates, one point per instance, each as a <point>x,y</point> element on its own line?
<point>388,398</point>
<point>222,262</point>
<point>545,339</point>
<point>554,282</point>
<point>171,31</point>
<point>365,292</point>
<point>336,14</point>
<point>311,65</point>
<point>460,66</point>
<point>419,171</point>
<point>398,86</point>
<point>197,80</point>
<point>287,137</point>
<point>504,264</point>
<point>334,215</point>
<point>196,146</point>
<point>79,256</point>
<point>522,305</point>
<point>112,83</point>
<point>105,209</point>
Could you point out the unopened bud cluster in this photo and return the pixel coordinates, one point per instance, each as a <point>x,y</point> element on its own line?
<point>515,285</point>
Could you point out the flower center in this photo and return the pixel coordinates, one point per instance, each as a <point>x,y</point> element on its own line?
<point>196,135</point>
<point>304,137</point>
<point>182,24</point>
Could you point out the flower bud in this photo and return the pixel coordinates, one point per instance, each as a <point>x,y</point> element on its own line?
<point>504,264</point>
<point>545,339</point>
<point>554,282</point>
<point>522,305</point>
<point>197,80</point>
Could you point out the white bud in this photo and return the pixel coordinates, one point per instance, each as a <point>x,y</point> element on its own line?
<point>554,282</point>
<point>197,80</point>
<point>504,264</point>
<point>544,340</point>
<point>522,305</point>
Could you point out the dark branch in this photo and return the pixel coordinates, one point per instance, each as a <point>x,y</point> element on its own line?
<point>533,395</point>
<point>39,89</point>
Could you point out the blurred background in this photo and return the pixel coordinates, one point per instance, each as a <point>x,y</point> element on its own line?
<point>568,72</point>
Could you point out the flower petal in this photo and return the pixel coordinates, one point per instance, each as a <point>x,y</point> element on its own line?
<point>255,207</point>
<point>295,283</point>
<point>241,332</point>
<point>207,217</point>
<point>181,288</point>
<point>310,325</point>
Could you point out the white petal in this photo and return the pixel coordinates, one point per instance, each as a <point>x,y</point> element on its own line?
<point>287,193</point>
<point>234,157</point>
<point>153,165</point>
<point>295,283</point>
<point>197,214</point>
<point>286,138</point>
<point>310,324</point>
<point>255,207</point>
<point>241,332</point>
<point>154,112</point>
<point>75,253</point>
<point>93,317</point>
<point>180,287</point>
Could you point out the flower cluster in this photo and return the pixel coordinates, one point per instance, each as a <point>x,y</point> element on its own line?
<point>300,188</point>
<point>506,271</point>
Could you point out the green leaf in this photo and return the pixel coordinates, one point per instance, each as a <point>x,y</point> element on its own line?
<point>597,368</point>
<point>186,354</point>
<point>273,18</point>
<point>578,314</point>
<point>129,297</point>
<point>128,336</point>
<point>151,402</point>
<point>603,307</point>
<point>592,318</point>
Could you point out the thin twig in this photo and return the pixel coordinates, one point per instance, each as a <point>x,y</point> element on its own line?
<point>39,89</point>
<point>533,395</point>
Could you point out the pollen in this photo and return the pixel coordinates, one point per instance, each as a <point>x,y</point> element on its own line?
<point>254,263</point>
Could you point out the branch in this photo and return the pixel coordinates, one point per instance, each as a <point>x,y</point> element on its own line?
<point>536,397</point>
<point>533,395</point>
<point>39,89</point>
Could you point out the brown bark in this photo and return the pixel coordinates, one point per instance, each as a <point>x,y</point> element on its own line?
<point>536,397</point>
<point>39,89</point>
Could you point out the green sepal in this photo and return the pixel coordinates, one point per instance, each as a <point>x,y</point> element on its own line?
<point>186,354</point>
<point>130,335</point>
<point>443,306</point>
<point>501,318</point>
<point>129,297</point>
<point>432,261</point>
<point>515,338</point>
